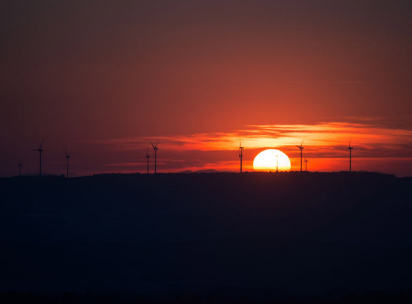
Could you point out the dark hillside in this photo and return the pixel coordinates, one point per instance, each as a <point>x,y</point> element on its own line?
<point>253,234</point>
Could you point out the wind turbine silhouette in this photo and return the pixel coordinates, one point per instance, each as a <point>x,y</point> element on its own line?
<point>155,148</point>
<point>350,156</point>
<point>67,164</point>
<point>301,154</point>
<point>147,159</point>
<point>240,153</point>
<point>40,151</point>
<point>306,164</point>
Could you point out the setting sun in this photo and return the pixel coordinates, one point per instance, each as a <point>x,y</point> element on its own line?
<point>271,160</point>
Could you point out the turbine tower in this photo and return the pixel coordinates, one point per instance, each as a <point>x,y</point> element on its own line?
<point>240,152</point>
<point>155,148</point>
<point>350,157</point>
<point>306,164</point>
<point>40,151</point>
<point>301,154</point>
<point>67,164</point>
<point>147,160</point>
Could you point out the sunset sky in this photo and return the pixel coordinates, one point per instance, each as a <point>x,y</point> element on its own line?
<point>105,78</point>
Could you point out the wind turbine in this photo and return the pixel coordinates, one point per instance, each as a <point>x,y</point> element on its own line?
<point>240,153</point>
<point>40,151</point>
<point>147,159</point>
<point>306,164</point>
<point>301,154</point>
<point>155,148</point>
<point>67,164</point>
<point>350,156</point>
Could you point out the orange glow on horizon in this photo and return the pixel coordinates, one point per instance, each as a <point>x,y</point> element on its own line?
<point>375,148</point>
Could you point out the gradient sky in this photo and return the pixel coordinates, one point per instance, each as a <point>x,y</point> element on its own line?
<point>103,78</point>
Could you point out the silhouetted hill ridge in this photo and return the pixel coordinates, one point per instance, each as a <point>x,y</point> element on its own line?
<point>237,234</point>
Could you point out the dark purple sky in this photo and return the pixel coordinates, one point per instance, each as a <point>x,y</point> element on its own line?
<point>78,71</point>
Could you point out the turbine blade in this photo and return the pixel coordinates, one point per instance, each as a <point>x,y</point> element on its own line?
<point>41,145</point>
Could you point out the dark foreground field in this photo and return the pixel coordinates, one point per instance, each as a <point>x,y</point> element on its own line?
<point>212,236</point>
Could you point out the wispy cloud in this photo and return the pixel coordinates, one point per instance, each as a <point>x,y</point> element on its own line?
<point>330,134</point>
